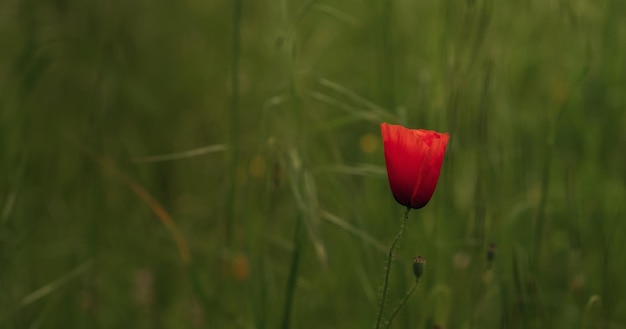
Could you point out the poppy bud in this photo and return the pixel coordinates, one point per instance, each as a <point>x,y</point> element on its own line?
<point>414,158</point>
<point>491,252</point>
<point>418,266</point>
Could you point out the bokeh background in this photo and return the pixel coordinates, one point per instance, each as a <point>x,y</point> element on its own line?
<point>218,164</point>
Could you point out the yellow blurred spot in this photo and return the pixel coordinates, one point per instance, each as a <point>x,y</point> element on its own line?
<point>257,167</point>
<point>144,287</point>
<point>487,276</point>
<point>240,268</point>
<point>577,283</point>
<point>87,301</point>
<point>559,92</point>
<point>368,143</point>
<point>461,260</point>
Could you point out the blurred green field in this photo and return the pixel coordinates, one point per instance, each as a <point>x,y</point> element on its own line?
<point>218,164</point>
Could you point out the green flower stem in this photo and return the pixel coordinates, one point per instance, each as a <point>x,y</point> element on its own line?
<point>392,249</point>
<point>401,304</point>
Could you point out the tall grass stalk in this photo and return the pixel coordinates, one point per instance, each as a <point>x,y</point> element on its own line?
<point>301,196</point>
<point>234,120</point>
<point>545,184</point>
<point>388,60</point>
<point>293,273</point>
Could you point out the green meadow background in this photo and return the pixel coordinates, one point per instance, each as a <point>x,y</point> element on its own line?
<point>218,164</point>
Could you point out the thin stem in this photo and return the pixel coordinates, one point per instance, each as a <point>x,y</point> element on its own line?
<point>401,304</point>
<point>293,273</point>
<point>392,249</point>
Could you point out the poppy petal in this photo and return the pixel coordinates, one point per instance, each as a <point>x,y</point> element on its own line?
<point>413,158</point>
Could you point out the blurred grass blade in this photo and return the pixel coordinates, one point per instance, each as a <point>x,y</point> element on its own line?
<point>8,206</point>
<point>304,191</point>
<point>275,101</point>
<point>368,288</point>
<point>377,112</point>
<point>360,170</point>
<point>593,319</point>
<point>337,14</point>
<point>304,9</point>
<point>153,204</point>
<point>54,285</point>
<point>293,273</point>
<point>345,107</point>
<point>182,155</point>
<point>352,230</point>
<point>312,219</point>
<point>9,202</point>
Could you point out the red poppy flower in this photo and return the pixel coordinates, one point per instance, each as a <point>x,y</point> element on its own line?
<point>413,158</point>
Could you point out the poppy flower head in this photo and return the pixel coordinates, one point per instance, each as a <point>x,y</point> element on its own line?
<point>414,158</point>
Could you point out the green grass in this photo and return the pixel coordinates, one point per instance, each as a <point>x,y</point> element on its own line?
<point>256,132</point>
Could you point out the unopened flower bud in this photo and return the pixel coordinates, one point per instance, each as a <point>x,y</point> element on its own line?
<point>418,266</point>
<point>491,252</point>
